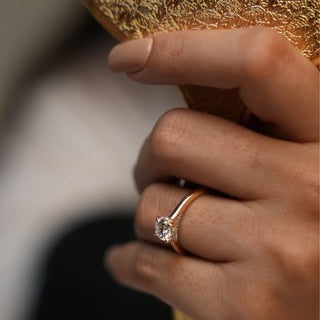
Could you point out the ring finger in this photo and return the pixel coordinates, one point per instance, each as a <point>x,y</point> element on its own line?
<point>212,227</point>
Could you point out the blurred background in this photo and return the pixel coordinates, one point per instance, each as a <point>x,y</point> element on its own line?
<point>70,133</point>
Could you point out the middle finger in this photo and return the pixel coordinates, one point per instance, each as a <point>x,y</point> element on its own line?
<point>228,157</point>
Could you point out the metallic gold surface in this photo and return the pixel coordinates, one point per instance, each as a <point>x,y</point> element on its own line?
<point>297,20</point>
<point>177,315</point>
<point>178,213</point>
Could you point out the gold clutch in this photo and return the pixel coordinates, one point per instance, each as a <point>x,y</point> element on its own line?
<point>297,20</point>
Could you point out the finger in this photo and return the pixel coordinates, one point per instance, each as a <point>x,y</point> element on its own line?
<point>228,157</point>
<point>213,228</point>
<point>276,83</point>
<point>178,280</point>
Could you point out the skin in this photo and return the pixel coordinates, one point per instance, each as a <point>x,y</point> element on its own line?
<point>254,255</point>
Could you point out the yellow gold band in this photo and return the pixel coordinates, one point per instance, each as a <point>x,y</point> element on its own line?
<point>167,228</point>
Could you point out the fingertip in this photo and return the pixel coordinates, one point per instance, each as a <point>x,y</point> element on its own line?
<point>130,56</point>
<point>110,256</point>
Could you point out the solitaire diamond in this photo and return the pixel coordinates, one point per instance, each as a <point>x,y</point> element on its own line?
<point>164,229</point>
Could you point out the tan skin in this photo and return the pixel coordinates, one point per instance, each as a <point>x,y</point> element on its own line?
<point>254,256</point>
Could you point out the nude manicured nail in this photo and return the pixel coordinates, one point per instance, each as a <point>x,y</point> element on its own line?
<point>130,56</point>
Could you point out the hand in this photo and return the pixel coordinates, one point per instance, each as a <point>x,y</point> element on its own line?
<point>253,255</point>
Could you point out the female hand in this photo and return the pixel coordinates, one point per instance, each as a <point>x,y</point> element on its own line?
<point>253,255</point>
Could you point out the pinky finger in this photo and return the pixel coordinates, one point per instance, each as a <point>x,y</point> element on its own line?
<point>184,282</point>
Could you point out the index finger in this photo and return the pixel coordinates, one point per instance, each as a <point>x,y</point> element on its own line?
<point>276,82</point>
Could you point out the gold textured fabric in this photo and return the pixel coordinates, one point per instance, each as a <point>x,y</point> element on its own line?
<point>297,20</point>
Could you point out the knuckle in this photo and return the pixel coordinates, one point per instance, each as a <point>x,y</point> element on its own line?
<point>262,51</point>
<point>170,52</point>
<point>146,265</point>
<point>300,182</point>
<point>256,159</point>
<point>306,193</point>
<point>308,186</point>
<point>148,202</point>
<point>295,256</point>
<point>168,133</point>
<point>301,261</point>
<point>254,152</point>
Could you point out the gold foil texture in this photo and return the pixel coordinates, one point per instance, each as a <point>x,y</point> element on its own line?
<point>297,20</point>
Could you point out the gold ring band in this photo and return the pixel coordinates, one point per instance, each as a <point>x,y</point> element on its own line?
<point>167,228</point>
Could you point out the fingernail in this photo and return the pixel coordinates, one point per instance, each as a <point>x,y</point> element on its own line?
<point>109,255</point>
<point>130,56</point>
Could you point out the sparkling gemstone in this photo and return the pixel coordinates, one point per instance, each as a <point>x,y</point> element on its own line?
<point>163,229</point>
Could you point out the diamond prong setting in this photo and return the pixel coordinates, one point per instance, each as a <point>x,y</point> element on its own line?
<point>167,228</point>
<point>164,229</point>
